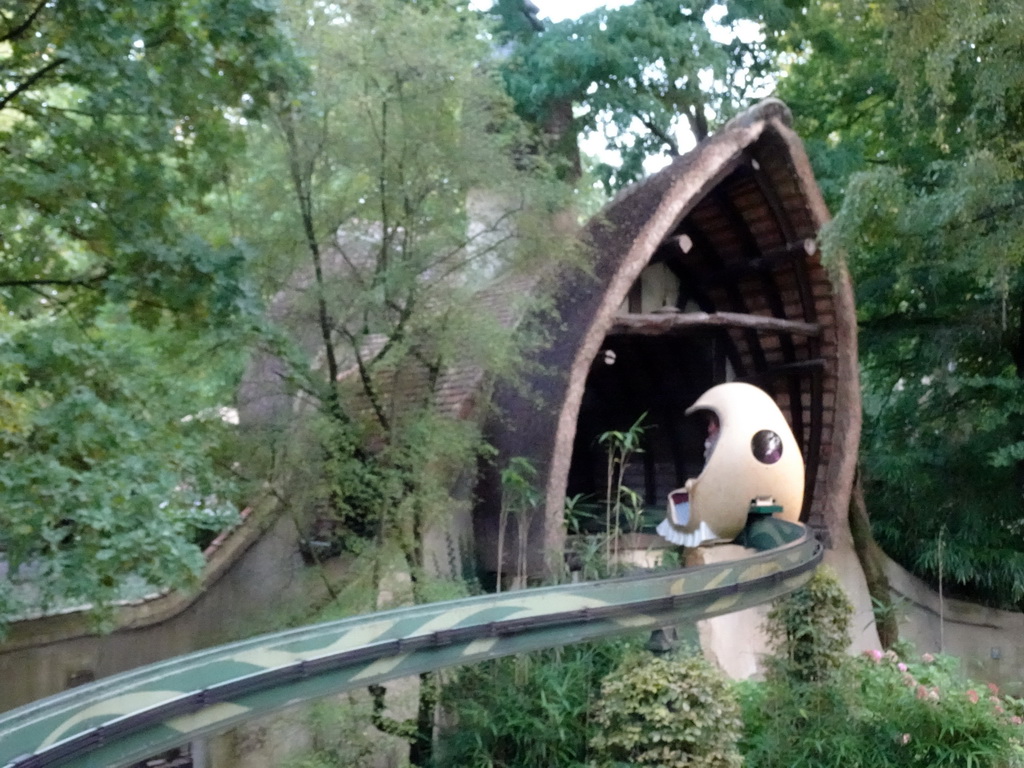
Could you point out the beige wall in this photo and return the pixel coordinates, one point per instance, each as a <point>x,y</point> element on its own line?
<point>251,583</point>
<point>736,642</point>
<point>989,642</point>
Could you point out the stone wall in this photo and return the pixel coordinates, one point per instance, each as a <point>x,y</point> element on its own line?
<point>989,642</point>
<point>254,579</point>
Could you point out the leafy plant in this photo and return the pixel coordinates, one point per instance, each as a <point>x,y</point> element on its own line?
<point>519,498</point>
<point>575,513</point>
<point>620,446</point>
<point>666,712</point>
<point>820,708</point>
<point>525,711</point>
<point>809,630</point>
<point>112,479</point>
<point>882,710</point>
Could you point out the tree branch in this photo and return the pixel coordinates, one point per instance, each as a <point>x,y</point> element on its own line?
<point>673,146</point>
<point>22,28</point>
<point>301,182</point>
<point>32,79</point>
<point>75,282</point>
<point>367,381</point>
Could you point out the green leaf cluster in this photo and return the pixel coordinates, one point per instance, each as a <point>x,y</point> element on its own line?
<point>809,630</point>
<point>636,75</point>
<point>819,707</point>
<point>913,116</point>
<point>116,121</point>
<point>108,476</point>
<point>385,194</point>
<point>114,124</point>
<point>668,712</point>
<point>527,710</point>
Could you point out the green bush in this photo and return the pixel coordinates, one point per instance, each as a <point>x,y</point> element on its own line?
<point>879,711</point>
<point>667,712</point>
<point>926,711</point>
<point>526,711</point>
<point>820,708</point>
<point>809,630</point>
<point>794,724</point>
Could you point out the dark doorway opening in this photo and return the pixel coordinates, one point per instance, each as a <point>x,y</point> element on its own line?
<point>657,377</point>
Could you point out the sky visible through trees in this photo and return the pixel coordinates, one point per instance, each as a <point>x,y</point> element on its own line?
<point>166,174</point>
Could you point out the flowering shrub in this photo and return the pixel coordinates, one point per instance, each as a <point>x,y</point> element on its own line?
<point>877,710</point>
<point>933,716</point>
<point>881,711</point>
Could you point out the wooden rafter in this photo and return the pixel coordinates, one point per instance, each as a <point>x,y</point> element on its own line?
<point>654,324</point>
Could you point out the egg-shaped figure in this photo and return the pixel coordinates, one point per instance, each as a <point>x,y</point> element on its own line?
<point>751,460</point>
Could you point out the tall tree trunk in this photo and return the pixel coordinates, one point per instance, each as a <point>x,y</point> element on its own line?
<point>872,561</point>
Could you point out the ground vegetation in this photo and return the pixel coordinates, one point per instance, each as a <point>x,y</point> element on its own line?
<point>820,707</point>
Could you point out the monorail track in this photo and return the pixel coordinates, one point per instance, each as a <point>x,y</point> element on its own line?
<point>133,715</point>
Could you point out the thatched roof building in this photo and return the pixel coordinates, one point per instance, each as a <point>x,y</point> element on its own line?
<point>705,272</point>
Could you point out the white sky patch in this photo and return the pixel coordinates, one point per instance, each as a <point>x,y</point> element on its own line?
<point>594,143</point>
<point>746,30</point>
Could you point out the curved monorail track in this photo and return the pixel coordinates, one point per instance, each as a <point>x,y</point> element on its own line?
<point>131,716</point>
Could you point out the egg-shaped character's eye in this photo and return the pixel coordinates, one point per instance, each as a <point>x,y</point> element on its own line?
<point>766,446</point>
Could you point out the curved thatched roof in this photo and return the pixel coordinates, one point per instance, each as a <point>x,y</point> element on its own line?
<point>732,225</point>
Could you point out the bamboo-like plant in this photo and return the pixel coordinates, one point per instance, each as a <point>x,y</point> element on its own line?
<point>519,497</point>
<point>620,446</point>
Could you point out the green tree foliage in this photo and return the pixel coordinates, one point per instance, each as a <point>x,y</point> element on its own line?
<point>396,202</point>
<point>913,114</point>
<point>109,480</point>
<point>408,190</point>
<point>528,710</point>
<point>115,121</point>
<point>112,119</point>
<point>827,70</point>
<point>638,74</point>
<point>666,712</point>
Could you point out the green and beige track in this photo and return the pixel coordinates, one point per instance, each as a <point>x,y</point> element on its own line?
<point>131,716</point>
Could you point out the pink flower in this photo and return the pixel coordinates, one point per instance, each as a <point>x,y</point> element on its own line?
<point>922,692</point>
<point>994,688</point>
<point>901,667</point>
<point>973,696</point>
<point>927,658</point>
<point>905,739</point>
<point>874,654</point>
<point>1016,720</point>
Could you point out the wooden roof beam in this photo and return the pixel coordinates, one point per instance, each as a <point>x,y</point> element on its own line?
<point>655,324</point>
